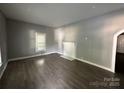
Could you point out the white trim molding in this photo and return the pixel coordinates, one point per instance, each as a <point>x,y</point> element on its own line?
<point>3,70</point>
<point>0,64</point>
<point>20,58</point>
<point>91,63</point>
<point>67,57</point>
<point>114,49</point>
<point>88,62</point>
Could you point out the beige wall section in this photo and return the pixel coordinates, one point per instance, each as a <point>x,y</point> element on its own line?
<point>94,37</point>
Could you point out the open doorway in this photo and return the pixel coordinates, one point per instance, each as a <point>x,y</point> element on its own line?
<point>119,65</point>
<point>116,50</point>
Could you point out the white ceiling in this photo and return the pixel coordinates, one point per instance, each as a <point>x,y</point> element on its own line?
<point>56,15</point>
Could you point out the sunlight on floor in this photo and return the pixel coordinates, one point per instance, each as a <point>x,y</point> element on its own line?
<point>40,62</point>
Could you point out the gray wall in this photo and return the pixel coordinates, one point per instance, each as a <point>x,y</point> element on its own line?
<point>21,38</point>
<point>3,42</point>
<point>93,37</point>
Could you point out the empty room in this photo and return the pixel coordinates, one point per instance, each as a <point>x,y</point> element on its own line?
<point>61,45</point>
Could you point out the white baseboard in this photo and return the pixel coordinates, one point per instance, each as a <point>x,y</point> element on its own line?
<point>91,63</point>
<point>3,70</point>
<point>0,64</point>
<point>82,60</point>
<point>59,53</point>
<point>20,58</point>
<point>48,53</point>
<point>67,57</point>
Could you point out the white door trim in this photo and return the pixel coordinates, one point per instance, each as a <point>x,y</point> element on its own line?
<point>114,48</point>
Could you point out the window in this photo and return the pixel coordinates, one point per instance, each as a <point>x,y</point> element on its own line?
<point>40,42</point>
<point>0,58</point>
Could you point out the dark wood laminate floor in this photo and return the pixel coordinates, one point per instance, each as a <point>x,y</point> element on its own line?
<point>53,71</point>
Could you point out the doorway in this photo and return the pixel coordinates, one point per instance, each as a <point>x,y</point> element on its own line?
<point>114,49</point>
<point>119,65</point>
